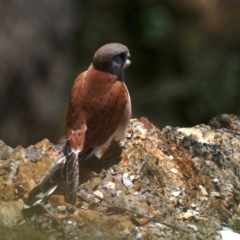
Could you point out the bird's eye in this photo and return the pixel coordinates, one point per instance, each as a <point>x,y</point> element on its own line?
<point>122,56</point>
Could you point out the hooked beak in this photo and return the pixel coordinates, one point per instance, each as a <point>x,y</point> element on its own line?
<point>128,62</point>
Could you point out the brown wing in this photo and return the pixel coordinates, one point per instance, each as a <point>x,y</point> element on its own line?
<point>75,132</point>
<point>76,124</point>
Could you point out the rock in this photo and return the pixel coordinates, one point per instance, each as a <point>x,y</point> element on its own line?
<point>192,227</point>
<point>187,215</point>
<point>94,182</point>
<point>10,213</point>
<point>227,234</point>
<point>61,208</point>
<point>185,177</point>
<point>228,121</point>
<point>203,190</point>
<point>174,170</point>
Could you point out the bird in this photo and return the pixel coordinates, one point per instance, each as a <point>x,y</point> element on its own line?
<point>99,111</point>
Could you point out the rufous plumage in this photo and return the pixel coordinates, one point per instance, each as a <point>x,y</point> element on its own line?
<point>99,111</point>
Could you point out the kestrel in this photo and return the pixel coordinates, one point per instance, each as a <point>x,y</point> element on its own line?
<point>99,111</point>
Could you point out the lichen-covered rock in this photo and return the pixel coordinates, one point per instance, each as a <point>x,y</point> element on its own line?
<point>185,177</point>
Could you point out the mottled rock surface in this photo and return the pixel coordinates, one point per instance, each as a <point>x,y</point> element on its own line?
<point>188,178</point>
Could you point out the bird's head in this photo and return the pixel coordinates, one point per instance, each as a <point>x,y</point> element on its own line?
<point>112,58</point>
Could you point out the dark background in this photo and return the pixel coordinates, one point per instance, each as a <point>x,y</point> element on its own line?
<point>185,60</point>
